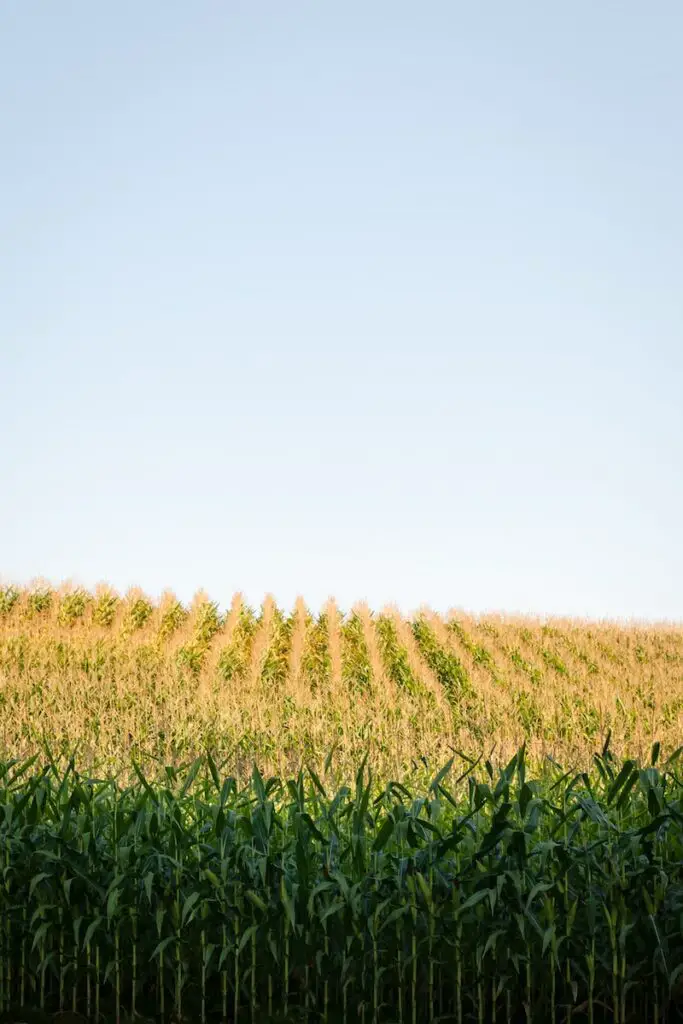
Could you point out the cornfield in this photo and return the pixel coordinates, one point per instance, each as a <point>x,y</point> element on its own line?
<point>121,677</point>
<point>495,897</point>
<point>261,816</point>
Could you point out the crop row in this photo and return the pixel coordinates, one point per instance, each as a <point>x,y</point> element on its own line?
<point>494,897</point>
<point>113,674</point>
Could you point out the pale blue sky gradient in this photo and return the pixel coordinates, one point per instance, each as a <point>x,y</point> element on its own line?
<point>379,299</point>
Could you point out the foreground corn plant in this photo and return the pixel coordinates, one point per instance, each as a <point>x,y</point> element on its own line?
<point>496,898</point>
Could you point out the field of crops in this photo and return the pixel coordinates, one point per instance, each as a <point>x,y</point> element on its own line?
<point>260,815</point>
<point>166,683</point>
<point>490,897</point>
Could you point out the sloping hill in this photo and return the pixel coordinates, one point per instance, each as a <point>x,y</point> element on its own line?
<point>121,675</point>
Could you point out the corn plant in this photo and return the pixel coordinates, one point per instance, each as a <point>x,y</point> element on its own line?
<point>448,669</point>
<point>235,657</point>
<point>395,656</point>
<point>9,596</point>
<point>493,896</point>
<point>356,669</point>
<point>113,674</point>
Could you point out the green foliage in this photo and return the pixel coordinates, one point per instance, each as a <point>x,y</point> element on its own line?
<point>554,662</point>
<point>500,896</point>
<point>448,669</point>
<point>140,612</point>
<point>234,659</point>
<point>276,662</point>
<point>517,659</point>
<point>641,654</point>
<point>8,598</point>
<point>316,663</point>
<point>72,607</point>
<point>395,656</point>
<point>356,669</point>
<point>171,620</point>
<point>105,610</point>
<point>479,654</point>
<point>530,717</point>
<point>39,602</point>
<point>208,622</point>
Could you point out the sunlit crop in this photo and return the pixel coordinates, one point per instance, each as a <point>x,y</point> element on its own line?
<point>115,674</point>
<point>267,814</point>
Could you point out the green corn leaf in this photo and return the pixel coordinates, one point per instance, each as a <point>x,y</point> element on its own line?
<point>188,905</point>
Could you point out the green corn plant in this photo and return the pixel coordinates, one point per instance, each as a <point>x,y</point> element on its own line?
<point>316,664</point>
<point>104,610</point>
<point>356,669</point>
<point>9,596</point>
<point>234,659</point>
<point>139,613</point>
<point>448,668</point>
<point>197,897</point>
<point>394,656</point>
<point>72,607</point>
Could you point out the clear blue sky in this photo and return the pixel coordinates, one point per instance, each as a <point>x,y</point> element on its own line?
<point>376,299</point>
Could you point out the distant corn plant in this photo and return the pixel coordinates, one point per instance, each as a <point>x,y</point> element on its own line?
<point>95,669</point>
<point>356,668</point>
<point>139,612</point>
<point>447,667</point>
<point>276,661</point>
<point>104,611</point>
<point>39,602</point>
<point>8,598</point>
<point>235,658</point>
<point>316,664</point>
<point>72,607</point>
<point>395,656</point>
<point>172,618</point>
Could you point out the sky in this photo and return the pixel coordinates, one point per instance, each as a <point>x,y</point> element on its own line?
<point>380,300</point>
